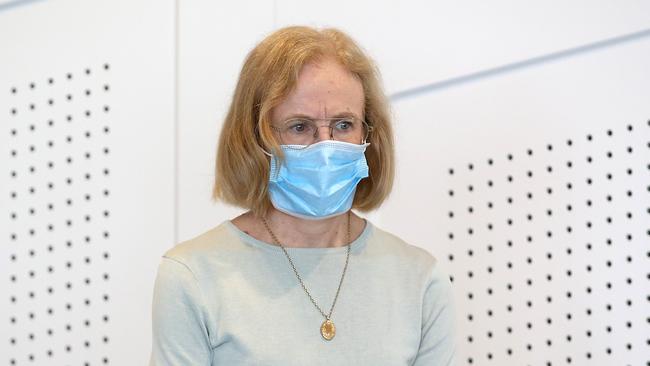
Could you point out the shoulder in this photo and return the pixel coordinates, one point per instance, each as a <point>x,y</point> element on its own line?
<point>417,270</point>
<point>203,251</point>
<point>384,244</point>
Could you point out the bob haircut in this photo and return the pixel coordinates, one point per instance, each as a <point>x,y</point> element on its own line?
<point>269,74</point>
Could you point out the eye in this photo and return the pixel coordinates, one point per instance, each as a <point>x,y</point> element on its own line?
<point>298,126</point>
<point>344,124</point>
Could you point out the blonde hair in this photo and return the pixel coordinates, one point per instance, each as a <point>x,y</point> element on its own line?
<point>269,73</point>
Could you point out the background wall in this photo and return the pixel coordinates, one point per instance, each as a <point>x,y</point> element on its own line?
<point>523,142</point>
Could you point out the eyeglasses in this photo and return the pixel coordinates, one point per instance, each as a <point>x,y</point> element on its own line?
<point>304,130</point>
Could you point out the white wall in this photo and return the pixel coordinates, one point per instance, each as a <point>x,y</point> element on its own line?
<point>470,81</point>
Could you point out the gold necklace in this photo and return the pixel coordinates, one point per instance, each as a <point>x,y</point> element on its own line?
<point>327,328</point>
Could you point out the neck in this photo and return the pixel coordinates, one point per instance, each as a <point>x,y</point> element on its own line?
<point>294,232</point>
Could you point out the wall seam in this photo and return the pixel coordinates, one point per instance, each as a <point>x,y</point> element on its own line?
<point>176,117</point>
<point>14,4</point>
<point>518,65</point>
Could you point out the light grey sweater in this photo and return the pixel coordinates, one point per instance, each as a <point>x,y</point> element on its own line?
<point>226,298</point>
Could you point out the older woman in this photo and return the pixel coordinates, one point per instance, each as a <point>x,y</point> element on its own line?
<point>300,279</point>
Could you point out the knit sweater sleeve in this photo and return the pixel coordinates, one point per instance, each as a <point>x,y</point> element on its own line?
<point>438,334</point>
<point>180,334</point>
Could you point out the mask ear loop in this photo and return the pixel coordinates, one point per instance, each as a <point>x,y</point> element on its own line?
<point>365,139</point>
<point>265,152</point>
<point>257,132</point>
<point>271,157</point>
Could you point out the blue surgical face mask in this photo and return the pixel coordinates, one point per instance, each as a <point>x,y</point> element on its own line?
<point>317,181</point>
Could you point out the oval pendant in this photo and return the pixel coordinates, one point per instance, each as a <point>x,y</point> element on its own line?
<point>328,330</point>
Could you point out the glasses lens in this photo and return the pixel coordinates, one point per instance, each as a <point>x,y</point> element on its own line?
<point>348,130</point>
<point>303,131</point>
<point>298,132</point>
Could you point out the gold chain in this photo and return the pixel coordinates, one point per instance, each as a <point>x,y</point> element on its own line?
<point>275,239</point>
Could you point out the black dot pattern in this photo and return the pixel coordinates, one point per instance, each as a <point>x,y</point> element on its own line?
<point>58,247</point>
<point>549,247</point>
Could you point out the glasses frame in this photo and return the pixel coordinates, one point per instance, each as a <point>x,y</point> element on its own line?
<point>368,128</point>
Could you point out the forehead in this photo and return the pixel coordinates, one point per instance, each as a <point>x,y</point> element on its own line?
<point>324,89</point>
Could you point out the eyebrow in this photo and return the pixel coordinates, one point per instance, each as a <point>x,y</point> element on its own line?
<point>338,115</point>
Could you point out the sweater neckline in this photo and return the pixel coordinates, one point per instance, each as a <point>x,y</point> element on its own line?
<point>356,245</point>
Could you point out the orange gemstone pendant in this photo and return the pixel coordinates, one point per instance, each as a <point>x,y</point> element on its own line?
<point>328,330</point>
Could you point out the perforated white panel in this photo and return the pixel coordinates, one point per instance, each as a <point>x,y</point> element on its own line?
<point>549,246</point>
<point>532,188</point>
<point>60,224</point>
<point>86,178</point>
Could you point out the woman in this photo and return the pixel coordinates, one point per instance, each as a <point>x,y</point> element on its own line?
<point>300,279</point>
